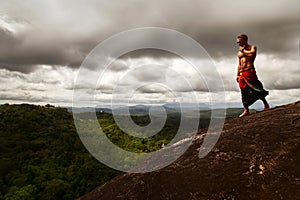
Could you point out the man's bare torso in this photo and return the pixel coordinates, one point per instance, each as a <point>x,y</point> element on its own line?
<point>246,58</point>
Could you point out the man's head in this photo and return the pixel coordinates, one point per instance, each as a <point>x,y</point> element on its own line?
<point>242,40</point>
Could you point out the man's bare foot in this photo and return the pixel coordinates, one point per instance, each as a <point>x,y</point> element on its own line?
<point>267,107</point>
<point>246,112</point>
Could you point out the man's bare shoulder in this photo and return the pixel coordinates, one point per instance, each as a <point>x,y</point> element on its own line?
<point>253,46</point>
<point>251,49</point>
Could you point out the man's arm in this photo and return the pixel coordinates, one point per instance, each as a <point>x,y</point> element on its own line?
<point>238,70</point>
<point>250,52</point>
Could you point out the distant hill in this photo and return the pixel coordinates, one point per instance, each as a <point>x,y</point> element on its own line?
<point>169,108</point>
<point>143,109</point>
<point>256,157</point>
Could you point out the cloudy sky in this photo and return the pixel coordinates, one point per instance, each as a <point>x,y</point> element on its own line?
<point>43,44</point>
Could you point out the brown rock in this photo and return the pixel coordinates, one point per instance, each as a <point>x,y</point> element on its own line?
<point>256,157</point>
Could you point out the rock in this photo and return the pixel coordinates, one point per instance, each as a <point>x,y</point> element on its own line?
<point>256,157</point>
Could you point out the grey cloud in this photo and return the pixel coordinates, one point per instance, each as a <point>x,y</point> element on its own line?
<point>7,77</point>
<point>26,97</point>
<point>151,89</point>
<point>23,54</point>
<point>22,96</point>
<point>150,73</point>
<point>105,88</point>
<point>287,86</point>
<point>67,39</point>
<point>150,53</point>
<point>31,88</point>
<point>283,81</point>
<point>18,67</point>
<point>118,66</point>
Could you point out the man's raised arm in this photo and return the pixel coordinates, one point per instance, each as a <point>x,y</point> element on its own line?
<point>251,51</point>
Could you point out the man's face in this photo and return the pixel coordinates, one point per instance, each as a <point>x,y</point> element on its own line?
<point>241,42</point>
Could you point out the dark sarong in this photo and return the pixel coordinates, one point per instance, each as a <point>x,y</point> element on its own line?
<point>251,88</point>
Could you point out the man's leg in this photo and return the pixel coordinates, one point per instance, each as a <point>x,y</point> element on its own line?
<point>246,112</point>
<point>267,107</point>
<point>245,100</point>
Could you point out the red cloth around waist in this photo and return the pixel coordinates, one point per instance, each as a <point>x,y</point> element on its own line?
<point>247,76</point>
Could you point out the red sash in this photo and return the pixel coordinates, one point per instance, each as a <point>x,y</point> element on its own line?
<point>247,77</point>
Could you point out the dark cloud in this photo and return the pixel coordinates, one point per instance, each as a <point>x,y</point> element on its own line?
<point>18,67</point>
<point>24,54</point>
<point>149,73</point>
<point>275,38</point>
<point>118,65</point>
<point>50,34</point>
<point>148,52</point>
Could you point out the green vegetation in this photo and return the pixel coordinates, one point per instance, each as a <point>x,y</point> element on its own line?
<point>133,144</point>
<point>42,157</point>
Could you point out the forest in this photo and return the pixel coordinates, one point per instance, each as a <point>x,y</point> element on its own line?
<point>42,157</point>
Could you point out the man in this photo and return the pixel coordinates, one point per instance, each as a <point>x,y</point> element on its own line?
<point>251,88</point>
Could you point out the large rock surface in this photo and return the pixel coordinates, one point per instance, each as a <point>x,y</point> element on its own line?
<point>256,157</point>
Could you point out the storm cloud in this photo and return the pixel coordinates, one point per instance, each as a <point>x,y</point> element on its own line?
<point>52,36</point>
<point>64,32</point>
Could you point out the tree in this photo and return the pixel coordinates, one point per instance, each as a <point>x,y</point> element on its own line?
<point>56,189</point>
<point>25,193</point>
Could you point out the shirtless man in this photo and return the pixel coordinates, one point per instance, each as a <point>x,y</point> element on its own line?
<point>251,87</point>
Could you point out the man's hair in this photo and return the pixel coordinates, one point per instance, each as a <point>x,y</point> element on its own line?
<point>243,36</point>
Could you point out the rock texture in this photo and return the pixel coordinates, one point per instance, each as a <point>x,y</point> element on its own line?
<point>256,157</point>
